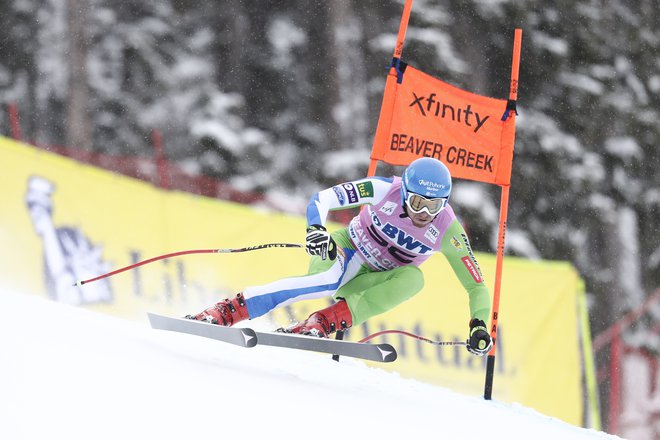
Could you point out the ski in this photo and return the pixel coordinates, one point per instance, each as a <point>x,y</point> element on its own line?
<point>360,350</point>
<point>246,337</point>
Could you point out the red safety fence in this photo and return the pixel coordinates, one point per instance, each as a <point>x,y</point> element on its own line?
<point>631,399</point>
<point>158,170</point>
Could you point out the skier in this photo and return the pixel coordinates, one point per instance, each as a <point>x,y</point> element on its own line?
<point>371,266</point>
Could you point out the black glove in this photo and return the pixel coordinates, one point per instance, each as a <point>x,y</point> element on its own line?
<point>479,342</point>
<point>319,242</point>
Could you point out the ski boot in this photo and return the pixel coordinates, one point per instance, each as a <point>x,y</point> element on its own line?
<point>324,322</point>
<point>226,313</point>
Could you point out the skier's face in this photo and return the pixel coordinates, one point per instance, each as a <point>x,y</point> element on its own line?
<point>421,219</point>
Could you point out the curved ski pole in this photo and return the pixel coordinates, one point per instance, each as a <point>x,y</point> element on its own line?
<point>412,335</point>
<point>195,251</point>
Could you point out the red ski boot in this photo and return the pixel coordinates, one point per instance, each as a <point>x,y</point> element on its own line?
<point>324,322</point>
<point>227,312</point>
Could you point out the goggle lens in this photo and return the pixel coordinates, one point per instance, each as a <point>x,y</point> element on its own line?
<point>417,204</point>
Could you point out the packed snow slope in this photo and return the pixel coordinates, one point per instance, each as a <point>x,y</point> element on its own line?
<point>69,373</point>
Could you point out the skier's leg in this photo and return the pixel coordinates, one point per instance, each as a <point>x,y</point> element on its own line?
<point>262,299</point>
<point>323,280</point>
<point>373,293</point>
<point>366,295</point>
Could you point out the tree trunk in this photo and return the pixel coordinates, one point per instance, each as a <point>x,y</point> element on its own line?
<point>350,110</point>
<point>79,130</point>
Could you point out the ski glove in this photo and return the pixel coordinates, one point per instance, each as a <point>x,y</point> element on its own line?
<point>319,242</point>
<point>479,342</point>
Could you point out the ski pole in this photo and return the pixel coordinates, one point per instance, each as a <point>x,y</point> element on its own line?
<point>195,251</point>
<point>412,335</point>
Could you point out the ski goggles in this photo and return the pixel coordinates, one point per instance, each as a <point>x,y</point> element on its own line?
<point>417,204</point>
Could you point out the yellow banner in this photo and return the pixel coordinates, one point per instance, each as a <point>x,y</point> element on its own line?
<point>538,360</point>
<point>61,222</point>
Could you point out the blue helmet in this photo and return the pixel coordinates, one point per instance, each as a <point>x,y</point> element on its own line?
<point>427,177</point>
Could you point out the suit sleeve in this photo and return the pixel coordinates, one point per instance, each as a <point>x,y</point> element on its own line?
<point>456,248</point>
<point>347,195</point>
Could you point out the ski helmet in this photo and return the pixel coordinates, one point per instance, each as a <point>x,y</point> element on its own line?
<point>426,177</point>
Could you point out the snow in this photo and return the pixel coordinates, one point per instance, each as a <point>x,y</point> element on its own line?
<point>341,163</point>
<point>605,205</point>
<point>221,132</point>
<point>654,259</point>
<point>520,243</point>
<point>552,139</point>
<point>285,201</point>
<point>630,265</point>
<point>443,46</point>
<point>625,147</point>
<point>639,402</point>
<point>51,51</point>
<point>76,374</point>
<point>582,82</point>
<point>284,36</point>
<point>590,169</point>
<point>654,83</point>
<point>557,46</point>
<point>474,196</point>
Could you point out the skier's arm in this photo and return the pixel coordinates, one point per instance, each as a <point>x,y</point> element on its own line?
<point>369,190</point>
<point>456,248</point>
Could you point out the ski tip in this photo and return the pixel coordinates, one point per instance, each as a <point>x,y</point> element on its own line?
<point>151,317</point>
<point>387,352</point>
<point>250,337</point>
<point>244,337</point>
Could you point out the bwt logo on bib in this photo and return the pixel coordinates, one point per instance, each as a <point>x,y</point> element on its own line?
<point>400,237</point>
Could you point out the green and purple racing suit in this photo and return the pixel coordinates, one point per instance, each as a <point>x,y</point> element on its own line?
<point>378,255</point>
